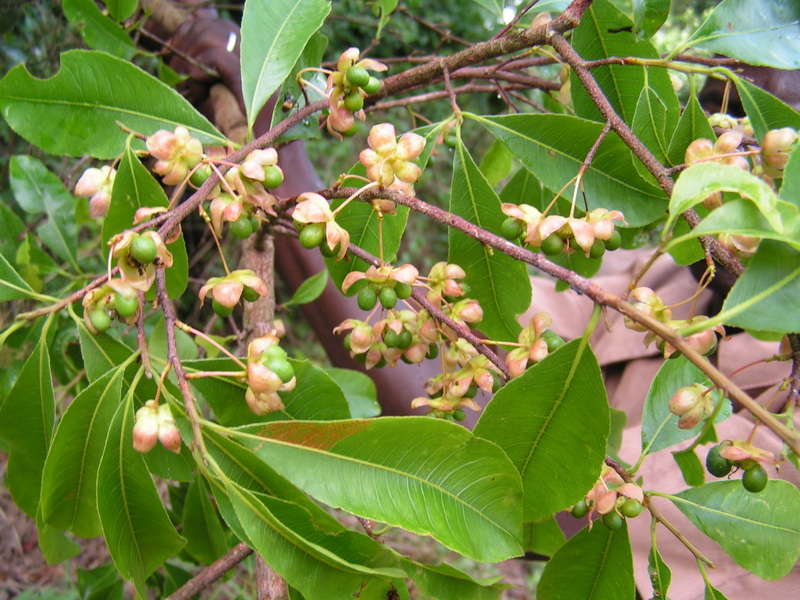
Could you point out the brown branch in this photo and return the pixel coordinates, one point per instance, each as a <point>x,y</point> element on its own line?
<point>211,573</point>
<point>73,297</point>
<point>470,88</point>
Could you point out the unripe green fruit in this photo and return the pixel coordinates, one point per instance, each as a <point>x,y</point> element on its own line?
<point>381,363</point>
<point>354,101</point>
<point>613,521</point>
<point>221,309</point>
<point>242,228</point>
<point>403,290</point>
<point>143,250</point>
<point>717,465</point>
<point>404,339</point>
<point>597,250</point>
<point>391,338</point>
<point>553,340</point>
<point>357,76</point>
<point>273,176</point>
<point>200,175</point>
<point>433,351</point>
<point>511,228</point>
<point>451,139</point>
<point>614,242</point>
<point>274,352</point>
<point>327,251</point>
<point>250,294</point>
<point>373,86</point>
<point>346,342</point>
<point>367,298</point>
<point>311,236</point>
<point>388,297</point>
<point>350,132</point>
<point>472,390</point>
<point>100,319</point>
<point>552,245</point>
<point>755,479</point>
<point>281,368</point>
<point>459,414</point>
<point>256,224</point>
<point>580,509</point>
<point>631,508</point>
<point>126,306</point>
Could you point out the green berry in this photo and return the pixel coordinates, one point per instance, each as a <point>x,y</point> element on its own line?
<point>433,351</point>
<point>404,339</point>
<point>755,479</point>
<point>717,465</point>
<point>346,342</point>
<point>357,76</point>
<point>580,509</point>
<point>273,176</point>
<point>274,352</point>
<point>612,520</point>
<point>459,414</point>
<point>388,297</point>
<point>451,139</point>
<point>367,298</point>
<point>250,294</point>
<point>631,508</point>
<point>472,390</point>
<point>126,306</point>
<point>143,250</point>
<point>553,340</point>
<point>327,251</point>
<point>100,319</point>
<point>391,338</point>
<point>354,101</point>
<point>511,228</point>
<point>200,175</point>
<point>614,242</point>
<point>403,290</point>
<point>373,86</point>
<point>312,234</point>
<point>242,228</point>
<point>255,223</point>
<point>381,363</point>
<point>221,309</point>
<point>552,245</point>
<point>350,132</point>
<point>281,368</point>
<point>597,250</point>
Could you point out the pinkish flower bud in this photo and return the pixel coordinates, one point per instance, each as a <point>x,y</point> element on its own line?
<point>453,271</point>
<point>263,403</point>
<point>777,146</point>
<point>703,342</point>
<point>90,182</point>
<point>168,433</point>
<point>470,311</point>
<point>347,58</point>
<point>408,172</point>
<point>416,353</point>
<point>728,142</point>
<point>145,429</point>
<point>452,289</point>
<point>684,400</point>
<point>262,379</point>
<point>228,293</point>
<point>98,205</point>
<point>361,338</point>
<point>410,146</point>
<point>162,144</point>
<point>699,150</point>
<point>341,119</point>
<point>382,139</point>
<point>369,157</point>
<point>538,350</point>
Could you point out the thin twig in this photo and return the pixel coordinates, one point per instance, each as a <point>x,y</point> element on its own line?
<point>515,20</point>
<point>211,573</point>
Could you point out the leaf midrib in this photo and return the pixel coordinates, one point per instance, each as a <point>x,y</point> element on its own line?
<point>734,516</point>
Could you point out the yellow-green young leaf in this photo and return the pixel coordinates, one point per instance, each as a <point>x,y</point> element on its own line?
<point>76,111</point>
<point>593,565</point>
<point>138,532</point>
<point>309,290</point>
<point>274,34</point>
<point>97,30</point>
<point>425,475</point>
<point>553,423</point>
<point>691,468</point>
<point>69,481</point>
<point>765,110</point>
<point>26,427</point>
<point>500,283</point>
<point>649,124</point>
<point>206,540</point>
<point>660,574</point>
<point>493,6</point>
<point>761,532</point>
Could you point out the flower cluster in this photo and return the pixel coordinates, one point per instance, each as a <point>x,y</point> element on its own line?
<point>612,498</point>
<point>389,161</point>
<point>137,255</point>
<point>743,455</point>
<point>384,283</point>
<point>316,221</point>
<point>227,291</point>
<point>176,153</point>
<point>692,404</point>
<point>116,297</point>
<point>268,372</point>
<point>154,423</point>
<point>347,87</point>
<point>96,184</point>
<point>535,342</point>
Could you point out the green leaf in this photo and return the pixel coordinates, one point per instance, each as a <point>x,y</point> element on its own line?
<point>556,405</point>
<point>26,426</point>
<point>790,188</point>
<point>758,32</point>
<point>359,391</point>
<point>650,124</point>
<point>611,181</point>
<point>774,269</point>
<point>445,582</point>
<point>97,30</point>
<point>659,572</point>
<point>75,112</point>
<point>593,565</point>
<point>12,285</point>
<point>134,188</point>
<point>443,481</point>
<point>618,419</point>
<point>69,481</point>
<point>525,188</point>
<point>605,32</point>
<point>121,9</point>
<point>659,426</point>
<point>701,180</point>
<point>100,583</point>
<point>55,546</point>
<point>692,125</point>
<point>36,187</point>
<point>544,537</point>
<point>761,532</point>
<point>713,593</point>
<point>157,342</point>
<point>691,468</point>
<point>100,352</point>
<point>273,37</point>
<point>205,537</point>
<point>497,281</point>
<point>765,110</point>
<point>138,532</point>
<point>649,16</point>
<point>386,7</point>
<point>496,163</point>
<point>11,228</point>
<point>309,290</point>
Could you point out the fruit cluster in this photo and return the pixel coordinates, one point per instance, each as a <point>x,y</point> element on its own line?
<point>154,423</point>
<point>268,372</point>
<point>723,457</point>
<point>612,498</point>
<point>347,87</point>
<point>226,292</point>
<point>534,343</point>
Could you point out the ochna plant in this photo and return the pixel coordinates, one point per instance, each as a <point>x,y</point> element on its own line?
<point>166,418</point>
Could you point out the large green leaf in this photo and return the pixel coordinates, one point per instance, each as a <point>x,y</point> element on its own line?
<point>26,427</point>
<point>693,124</point>
<point>100,352</point>
<point>659,426</point>
<point>758,32</point>
<point>713,593</point>
<point>765,110</point>
<point>97,30</point>
<point>496,280</point>
<point>659,572</point>
<point>37,189</point>
<point>649,15</point>
<point>273,37</point>
<point>76,111</point>
<point>12,285</point>
<point>359,391</point>
<point>134,188</point>
<point>790,188</point>
<point>205,537</point>
<point>138,532</point>
<point>69,481</point>
<point>761,532</point>
<point>775,268</point>
<point>596,564</point>
<point>544,537</point>
<point>650,124</point>
<point>605,32</point>
<point>553,423</point>
<point>121,9</point>
<point>611,181</point>
<point>428,476</point>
